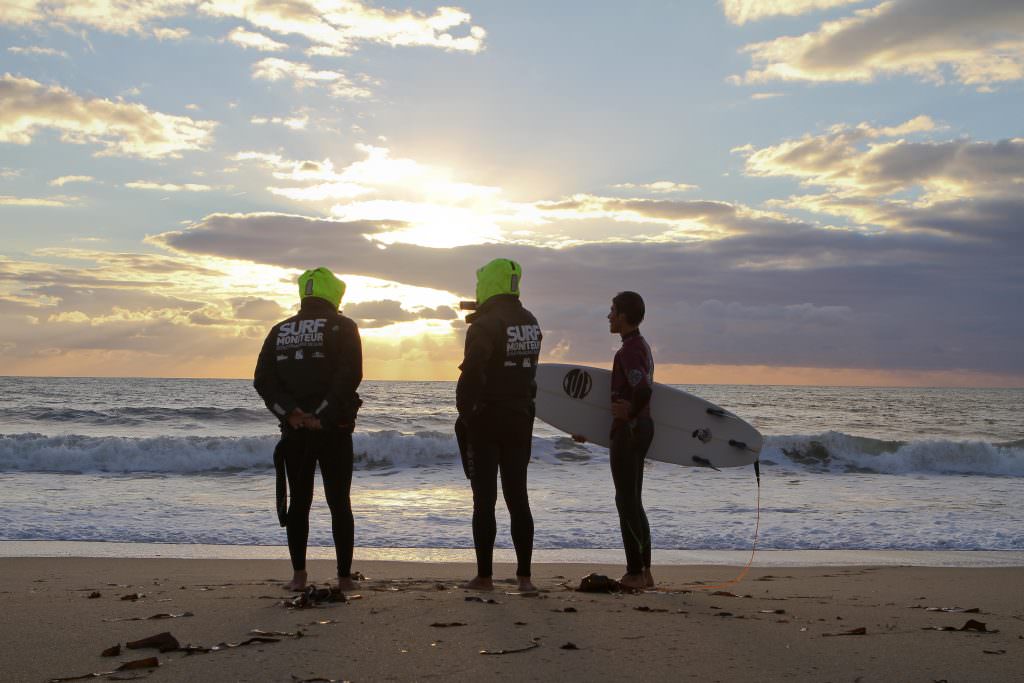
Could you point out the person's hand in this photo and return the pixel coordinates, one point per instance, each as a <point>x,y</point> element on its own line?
<point>311,422</point>
<point>579,438</point>
<point>620,409</point>
<point>297,418</point>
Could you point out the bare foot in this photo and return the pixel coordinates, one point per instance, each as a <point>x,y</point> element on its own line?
<point>345,584</point>
<point>478,583</point>
<point>525,585</point>
<point>648,578</point>
<point>633,581</point>
<point>297,583</point>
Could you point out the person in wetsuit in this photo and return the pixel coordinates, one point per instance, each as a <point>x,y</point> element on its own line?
<point>631,433</point>
<point>495,399</point>
<point>307,374</point>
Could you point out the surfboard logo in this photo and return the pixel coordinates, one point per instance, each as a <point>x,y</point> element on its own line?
<point>577,383</point>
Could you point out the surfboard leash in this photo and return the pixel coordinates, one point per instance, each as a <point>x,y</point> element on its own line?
<point>753,550</point>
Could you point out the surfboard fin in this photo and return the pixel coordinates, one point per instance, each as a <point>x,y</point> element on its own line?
<point>737,444</point>
<point>704,462</point>
<point>717,412</point>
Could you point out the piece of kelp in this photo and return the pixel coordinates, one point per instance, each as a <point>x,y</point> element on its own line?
<point>970,625</point>
<point>599,583</point>
<point>508,651</point>
<point>314,597</point>
<point>862,631</point>
<point>164,642</point>
<point>147,663</point>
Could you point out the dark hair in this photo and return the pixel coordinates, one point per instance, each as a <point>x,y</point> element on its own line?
<point>631,305</point>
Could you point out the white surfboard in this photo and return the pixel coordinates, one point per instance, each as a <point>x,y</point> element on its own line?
<point>687,430</point>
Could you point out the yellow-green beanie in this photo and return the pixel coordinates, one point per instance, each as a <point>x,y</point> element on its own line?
<point>321,283</point>
<point>500,276</point>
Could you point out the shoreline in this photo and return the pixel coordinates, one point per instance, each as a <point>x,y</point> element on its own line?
<point>410,621</point>
<point>604,556</point>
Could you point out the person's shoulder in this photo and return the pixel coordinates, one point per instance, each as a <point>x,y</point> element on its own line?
<point>345,323</point>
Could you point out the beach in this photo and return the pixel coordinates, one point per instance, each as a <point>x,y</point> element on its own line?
<point>409,621</point>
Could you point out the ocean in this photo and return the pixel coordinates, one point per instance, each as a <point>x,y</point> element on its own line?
<point>187,462</point>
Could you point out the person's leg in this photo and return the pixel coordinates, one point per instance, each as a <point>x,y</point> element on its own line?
<point>643,434</point>
<point>483,459</point>
<point>300,466</point>
<point>627,502</point>
<point>335,456</point>
<point>514,461</point>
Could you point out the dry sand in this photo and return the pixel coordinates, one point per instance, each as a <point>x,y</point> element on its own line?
<point>778,624</point>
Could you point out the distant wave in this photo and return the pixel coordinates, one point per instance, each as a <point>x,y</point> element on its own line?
<point>837,452</point>
<point>832,452</point>
<point>131,415</point>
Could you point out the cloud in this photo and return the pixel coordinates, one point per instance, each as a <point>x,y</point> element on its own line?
<point>167,187</point>
<point>258,41</point>
<point>373,314</point>
<point>976,43</point>
<point>304,76</point>
<point>743,11</point>
<point>337,28</point>
<point>65,179</point>
<point>8,200</point>
<point>119,128</point>
<point>162,34</point>
<point>874,162</point>
<point>298,122</point>
<point>257,309</point>
<point>657,187</point>
<point>35,50</point>
<point>790,293</point>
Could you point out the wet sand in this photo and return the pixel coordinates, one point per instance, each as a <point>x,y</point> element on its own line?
<point>411,622</point>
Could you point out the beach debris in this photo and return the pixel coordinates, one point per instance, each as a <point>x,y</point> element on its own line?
<point>94,595</point>
<point>519,623</point>
<point>323,622</point>
<point>645,608</point>
<point>772,611</point>
<point>133,596</point>
<point>534,643</point>
<point>724,614</point>
<point>488,601</point>
<point>147,663</point>
<point>566,610</point>
<point>599,583</point>
<point>954,610</point>
<point>446,624</point>
<point>440,587</point>
<point>725,594</point>
<point>524,594</point>
<point>568,646</point>
<point>994,652</point>
<point>164,642</point>
<point>200,650</point>
<point>970,625</point>
<point>285,634</point>
<point>313,597</point>
<point>862,631</point>
<point>357,576</point>
<point>296,679</point>
<point>113,651</point>
<point>163,615</point>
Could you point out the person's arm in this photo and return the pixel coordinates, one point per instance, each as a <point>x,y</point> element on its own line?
<point>268,383</point>
<point>341,403</point>
<point>470,387</point>
<point>634,367</point>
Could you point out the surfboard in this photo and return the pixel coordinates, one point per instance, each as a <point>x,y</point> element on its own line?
<point>687,429</point>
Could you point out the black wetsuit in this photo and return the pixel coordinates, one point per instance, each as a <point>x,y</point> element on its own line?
<point>313,361</point>
<point>495,399</point>
<point>633,381</point>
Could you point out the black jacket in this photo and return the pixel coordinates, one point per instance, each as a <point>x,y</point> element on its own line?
<point>502,346</point>
<point>312,361</point>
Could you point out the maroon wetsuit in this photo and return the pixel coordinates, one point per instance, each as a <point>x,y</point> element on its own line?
<point>633,381</point>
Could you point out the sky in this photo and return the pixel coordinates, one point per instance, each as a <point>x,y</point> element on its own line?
<point>804,191</point>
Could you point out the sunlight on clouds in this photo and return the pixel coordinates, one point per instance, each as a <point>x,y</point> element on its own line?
<point>120,128</point>
<point>251,39</point>
<point>981,44</point>
<point>304,76</point>
<point>742,11</point>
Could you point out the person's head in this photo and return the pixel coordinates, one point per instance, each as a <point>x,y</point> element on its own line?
<point>500,276</point>
<point>627,312</point>
<point>322,284</point>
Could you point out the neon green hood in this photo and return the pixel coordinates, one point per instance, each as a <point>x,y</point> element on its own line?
<point>321,283</point>
<point>500,276</point>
